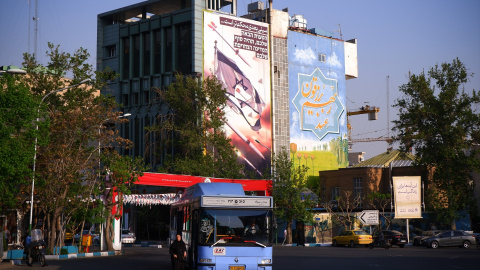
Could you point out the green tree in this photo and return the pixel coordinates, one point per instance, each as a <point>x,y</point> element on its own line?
<point>16,140</point>
<point>439,122</point>
<point>193,127</point>
<point>380,201</point>
<point>73,126</point>
<point>123,172</point>
<point>288,184</point>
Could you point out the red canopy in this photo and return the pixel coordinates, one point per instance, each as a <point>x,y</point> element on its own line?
<point>262,187</point>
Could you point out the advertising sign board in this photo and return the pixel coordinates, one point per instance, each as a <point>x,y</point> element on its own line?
<point>236,52</point>
<point>407,194</point>
<point>236,202</point>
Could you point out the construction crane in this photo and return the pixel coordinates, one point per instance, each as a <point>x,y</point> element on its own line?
<point>372,115</point>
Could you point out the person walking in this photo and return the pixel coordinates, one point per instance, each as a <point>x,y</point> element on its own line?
<point>178,253</point>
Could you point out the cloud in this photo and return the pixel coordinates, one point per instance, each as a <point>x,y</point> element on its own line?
<point>333,61</point>
<point>306,56</point>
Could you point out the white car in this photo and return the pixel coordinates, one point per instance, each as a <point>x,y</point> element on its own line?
<point>128,237</point>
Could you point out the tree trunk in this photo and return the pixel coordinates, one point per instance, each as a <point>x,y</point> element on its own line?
<point>109,233</point>
<point>53,230</point>
<point>289,231</point>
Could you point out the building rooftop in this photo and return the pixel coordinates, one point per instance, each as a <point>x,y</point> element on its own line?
<point>397,158</point>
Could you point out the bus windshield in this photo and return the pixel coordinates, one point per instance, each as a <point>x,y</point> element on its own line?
<point>235,227</point>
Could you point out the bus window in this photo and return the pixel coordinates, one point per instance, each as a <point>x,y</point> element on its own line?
<point>235,227</point>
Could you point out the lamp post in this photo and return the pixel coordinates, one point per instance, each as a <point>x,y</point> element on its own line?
<point>36,140</point>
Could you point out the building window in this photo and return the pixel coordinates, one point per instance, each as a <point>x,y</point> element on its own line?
<point>126,58</point>
<point>335,193</point>
<point>322,57</point>
<point>146,54</point>
<point>168,49</point>
<point>111,51</point>
<point>184,54</point>
<point>136,56</point>
<point>157,52</point>
<point>135,98</point>
<point>358,190</point>
<point>125,100</point>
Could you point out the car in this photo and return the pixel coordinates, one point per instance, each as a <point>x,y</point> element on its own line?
<point>128,237</point>
<point>352,238</point>
<point>425,234</point>
<point>450,238</point>
<point>393,237</point>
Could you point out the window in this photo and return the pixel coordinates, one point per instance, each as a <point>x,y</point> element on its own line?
<point>146,54</point>
<point>111,51</point>
<point>126,58</point>
<point>322,57</point>
<point>358,190</point>
<point>184,53</point>
<point>168,49</point>
<point>157,51</point>
<point>335,193</point>
<point>136,56</point>
<point>125,100</point>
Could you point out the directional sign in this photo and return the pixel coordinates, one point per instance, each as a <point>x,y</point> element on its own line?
<point>369,217</point>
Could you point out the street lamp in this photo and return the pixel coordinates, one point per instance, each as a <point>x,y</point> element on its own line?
<point>36,140</point>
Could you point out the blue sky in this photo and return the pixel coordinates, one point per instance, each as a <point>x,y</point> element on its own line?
<point>394,38</point>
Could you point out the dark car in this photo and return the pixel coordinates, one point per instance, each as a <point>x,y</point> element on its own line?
<point>393,237</point>
<point>425,234</point>
<point>450,238</point>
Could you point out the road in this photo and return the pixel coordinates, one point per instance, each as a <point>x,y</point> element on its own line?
<point>286,258</point>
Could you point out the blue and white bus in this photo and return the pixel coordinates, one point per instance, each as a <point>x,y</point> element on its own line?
<point>223,228</point>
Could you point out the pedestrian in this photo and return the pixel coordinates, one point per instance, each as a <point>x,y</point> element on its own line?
<point>284,236</point>
<point>178,253</point>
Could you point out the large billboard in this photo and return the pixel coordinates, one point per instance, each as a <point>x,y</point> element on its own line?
<point>407,194</point>
<point>236,52</point>
<point>318,123</point>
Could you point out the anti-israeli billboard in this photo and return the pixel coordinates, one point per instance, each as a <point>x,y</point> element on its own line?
<point>236,52</point>
<point>317,92</point>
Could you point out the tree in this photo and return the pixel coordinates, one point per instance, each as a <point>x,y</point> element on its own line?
<point>71,131</point>
<point>193,127</point>
<point>440,122</point>
<point>342,210</point>
<point>123,172</point>
<point>288,183</point>
<point>16,140</point>
<point>380,201</point>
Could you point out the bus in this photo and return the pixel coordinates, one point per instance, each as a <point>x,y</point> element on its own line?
<point>223,228</point>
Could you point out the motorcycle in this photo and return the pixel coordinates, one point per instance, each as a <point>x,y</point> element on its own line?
<point>36,249</point>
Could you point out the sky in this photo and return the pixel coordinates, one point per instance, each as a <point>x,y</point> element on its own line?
<point>395,38</point>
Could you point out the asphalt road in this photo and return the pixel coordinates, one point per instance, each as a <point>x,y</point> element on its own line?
<point>286,258</point>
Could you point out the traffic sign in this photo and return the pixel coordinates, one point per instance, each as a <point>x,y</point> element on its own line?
<point>369,217</point>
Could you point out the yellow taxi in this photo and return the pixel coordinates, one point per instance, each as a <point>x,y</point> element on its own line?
<point>352,238</point>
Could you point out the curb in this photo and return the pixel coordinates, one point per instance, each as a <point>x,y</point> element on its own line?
<point>82,255</point>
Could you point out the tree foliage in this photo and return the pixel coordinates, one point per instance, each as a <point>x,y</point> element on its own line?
<point>74,125</point>
<point>288,184</point>
<point>440,123</point>
<point>16,140</point>
<point>193,127</point>
<point>380,201</point>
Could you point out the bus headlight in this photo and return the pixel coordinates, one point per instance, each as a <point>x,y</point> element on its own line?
<point>205,260</point>
<point>265,261</point>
